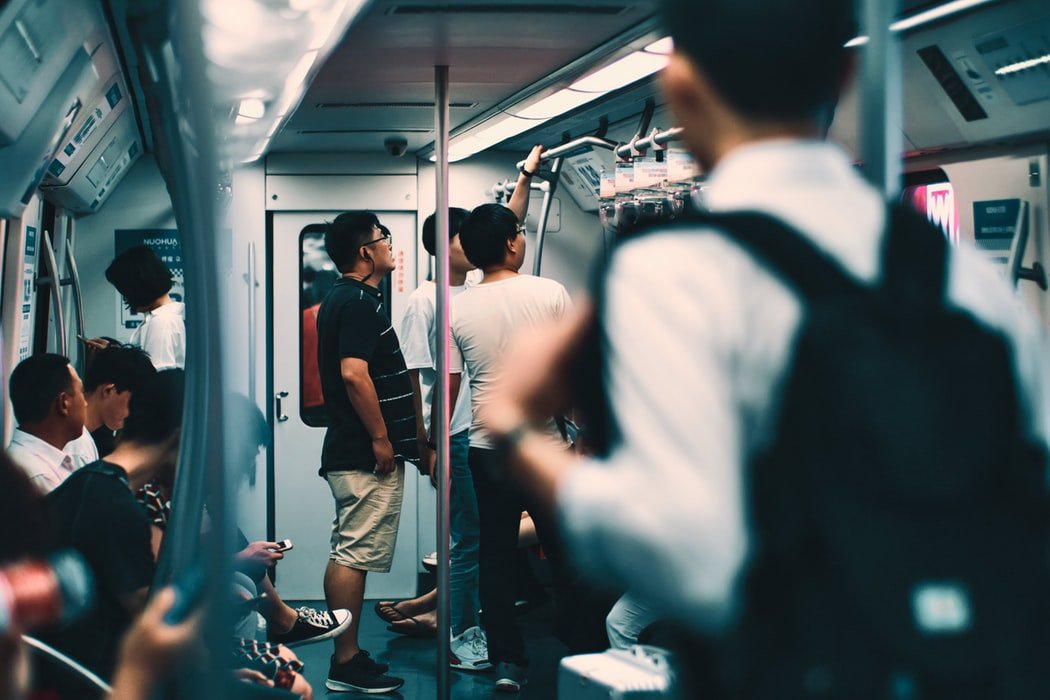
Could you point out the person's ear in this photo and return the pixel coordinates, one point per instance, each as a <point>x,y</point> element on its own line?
<point>683,85</point>
<point>108,390</point>
<point>363,252</point>
<point>63,402</point>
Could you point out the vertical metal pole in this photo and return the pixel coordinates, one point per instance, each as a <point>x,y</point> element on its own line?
<point>545,211</point>
<point>440,417</point>
<point>78,298</point>
<point>880,126</point>
<point>251,321</point>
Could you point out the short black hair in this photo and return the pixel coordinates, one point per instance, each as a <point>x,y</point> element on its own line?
<point>456,217</point>
<point>140,276</point>
<point>485,232</point>
<point>346,235</point>
<point>35,384</point>
<point>769,59</point>
<point>124,366</point>
<point>155,409</point>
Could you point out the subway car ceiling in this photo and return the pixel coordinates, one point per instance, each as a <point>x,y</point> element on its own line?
<point>504,58</point>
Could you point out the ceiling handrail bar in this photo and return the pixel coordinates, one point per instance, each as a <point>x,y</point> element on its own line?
<point>658,138</point>
<point>571,146</point>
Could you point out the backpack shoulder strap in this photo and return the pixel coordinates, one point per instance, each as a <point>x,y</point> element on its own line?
<point>914,256</point>
<point>787,253</point>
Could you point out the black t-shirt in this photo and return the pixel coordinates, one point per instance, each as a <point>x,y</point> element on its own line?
<point>95,513</point>
<point>351,323</point>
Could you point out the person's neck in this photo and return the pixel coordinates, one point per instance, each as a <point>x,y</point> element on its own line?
<point>735,135</point>
<point>54,433</point>
<point>369,278</point>
<point>139,462</point>
<point>457,278</point>
<point>496,274</point>
<point>157,303</point>
<point>93,416</point>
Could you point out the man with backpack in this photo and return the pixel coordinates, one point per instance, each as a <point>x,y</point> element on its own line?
<point>821,431</point>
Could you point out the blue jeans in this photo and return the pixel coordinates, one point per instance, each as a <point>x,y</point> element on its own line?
<point>464,529</point>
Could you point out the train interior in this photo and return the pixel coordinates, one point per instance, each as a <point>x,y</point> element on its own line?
<point>225,134</point>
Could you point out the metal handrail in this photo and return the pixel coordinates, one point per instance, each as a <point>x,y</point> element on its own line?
<point>67,662</point>
<point>658,138</point>
<point>566,148</point>
<point>55,283</point>
<point>78,297</point>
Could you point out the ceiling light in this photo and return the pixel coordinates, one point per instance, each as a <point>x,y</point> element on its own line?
<point>558,103</point>
<point>1023,65</point>
<point>629,69</point>
<point>664,46</point>
<point>935,13</point>
<point>251,108</point>
<point>931,15</point>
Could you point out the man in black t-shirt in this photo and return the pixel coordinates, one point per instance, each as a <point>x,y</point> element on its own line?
<point>368,398</point>
<point>95,512</point>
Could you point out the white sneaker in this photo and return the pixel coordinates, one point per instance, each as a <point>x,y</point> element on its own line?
<point>469,651</point>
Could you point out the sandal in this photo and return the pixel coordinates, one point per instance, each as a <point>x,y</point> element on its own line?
<point>388,612</point>
<point>416,629</point>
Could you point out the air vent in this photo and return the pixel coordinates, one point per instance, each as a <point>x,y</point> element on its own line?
<point>392,105</point>
<point>364,131</point>
<point>535,8</point>
<point>953,85</point>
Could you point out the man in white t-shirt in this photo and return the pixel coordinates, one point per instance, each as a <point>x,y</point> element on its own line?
<point>418,333</point>
<point>484,320</point>
<point>48,401</point>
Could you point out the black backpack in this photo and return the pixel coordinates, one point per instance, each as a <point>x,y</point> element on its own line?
<point>900,516</point>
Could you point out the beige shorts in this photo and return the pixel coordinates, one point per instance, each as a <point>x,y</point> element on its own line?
<point>367,513</point>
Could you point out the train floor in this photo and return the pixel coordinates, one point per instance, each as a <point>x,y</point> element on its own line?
<point>412,658</point>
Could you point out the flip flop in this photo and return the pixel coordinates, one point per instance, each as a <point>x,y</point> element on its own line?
<point>388,612</point>
<point>417,629</point>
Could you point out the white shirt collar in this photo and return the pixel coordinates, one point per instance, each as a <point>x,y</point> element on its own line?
<point>752,175</point>
<point>39,447</point>
<point>173,308</point>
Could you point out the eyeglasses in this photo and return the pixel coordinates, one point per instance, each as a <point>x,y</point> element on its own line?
<point>384,237</point>
<point>520,228</point>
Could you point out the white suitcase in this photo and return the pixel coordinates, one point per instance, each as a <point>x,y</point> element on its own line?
<point>639,673</point>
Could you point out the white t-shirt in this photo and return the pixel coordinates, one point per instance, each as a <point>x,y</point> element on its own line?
<point>83,450</point>
<point>419,346</point>
<point>163,335</point>
<point>485,319</point>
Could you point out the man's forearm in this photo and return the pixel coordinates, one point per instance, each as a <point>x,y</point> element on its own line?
<point>417,402</point>
<point>363,397</point>
<point>519,201</point>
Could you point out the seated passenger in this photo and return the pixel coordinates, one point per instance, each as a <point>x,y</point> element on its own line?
<point>48,401</point>
<point>144,282</point>
<point>95,512</point>
<point>109,381</point>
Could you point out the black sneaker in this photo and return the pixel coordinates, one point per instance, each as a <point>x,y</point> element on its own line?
<point>360,674</point>
<point>313,626</point>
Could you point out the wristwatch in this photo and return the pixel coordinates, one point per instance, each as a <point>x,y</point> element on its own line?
<point>526,173</point>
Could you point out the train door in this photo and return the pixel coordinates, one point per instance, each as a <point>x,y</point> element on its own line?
<point>302,503</point>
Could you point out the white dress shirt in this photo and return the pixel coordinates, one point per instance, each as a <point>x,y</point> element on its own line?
<point>163,335</point>
<point>46,465</point>
<point>83,450</point>
<point>699,337</point>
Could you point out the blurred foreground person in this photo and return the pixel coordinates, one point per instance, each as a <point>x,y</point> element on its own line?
<point>822,432</point>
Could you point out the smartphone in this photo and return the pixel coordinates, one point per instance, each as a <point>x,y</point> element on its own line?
<point>189,594</point>
<point>82,339</point>
<point>283,546</point>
